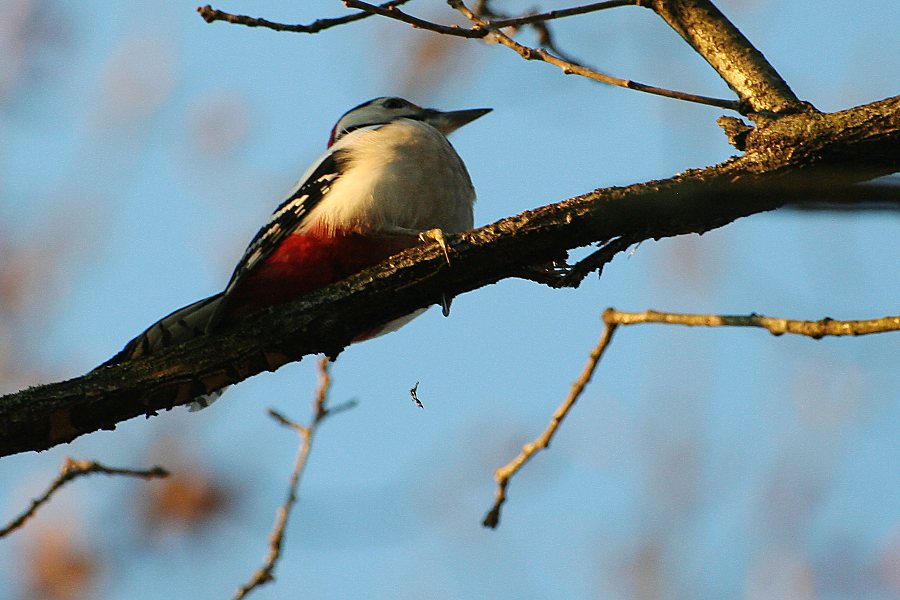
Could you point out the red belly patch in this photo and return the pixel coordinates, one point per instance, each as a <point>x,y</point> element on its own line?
<point>304,263</point>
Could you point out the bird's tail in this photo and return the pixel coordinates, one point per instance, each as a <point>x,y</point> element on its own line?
<point>180,326</point>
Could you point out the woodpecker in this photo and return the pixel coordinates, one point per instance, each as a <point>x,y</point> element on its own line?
<point>389,180</point>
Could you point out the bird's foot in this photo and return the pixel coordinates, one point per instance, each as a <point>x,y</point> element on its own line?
<point>436,235</point>
<point>445,304</point>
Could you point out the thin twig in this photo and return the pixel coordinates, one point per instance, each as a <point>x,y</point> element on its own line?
<point>483,28</point>
<point>266,572</point>
<point>503,474</point>
<point>72,469</point>
<point>775,326</point>
<point>541,29</point>
<point>570,68</point>
<point>211,14</point>
<point>416,22</point>
<point>593,262</point>
<point>563,12</point>
<point>613,318</point>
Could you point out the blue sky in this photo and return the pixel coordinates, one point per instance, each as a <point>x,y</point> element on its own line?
<point>142,149</point>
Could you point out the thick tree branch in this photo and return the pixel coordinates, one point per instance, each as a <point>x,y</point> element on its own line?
<point>735,59</point>
<point>786,160</point>
<point>882,195</point>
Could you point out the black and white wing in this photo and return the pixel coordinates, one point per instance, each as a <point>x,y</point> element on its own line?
<point>290,214</point>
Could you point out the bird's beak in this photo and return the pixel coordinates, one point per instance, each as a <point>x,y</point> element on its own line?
<point>448,122</point>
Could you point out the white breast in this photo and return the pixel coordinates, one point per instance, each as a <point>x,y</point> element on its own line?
<point>404,174</point>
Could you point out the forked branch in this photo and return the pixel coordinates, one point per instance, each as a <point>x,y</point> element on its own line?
<point>570,68</point>
<point>734,58</point>
<point>266,573</point>
<point>73,469</point>
<point>613,319</point>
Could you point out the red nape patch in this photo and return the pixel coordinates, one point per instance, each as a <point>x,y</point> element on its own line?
<point>332,135</point>
<point>303,263</point>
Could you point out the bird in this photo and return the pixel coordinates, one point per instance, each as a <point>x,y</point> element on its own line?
<point>389,180</point>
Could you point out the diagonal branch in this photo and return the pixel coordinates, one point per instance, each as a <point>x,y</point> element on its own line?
<point>504,473</point>
<point>786,160</point>
<point>735,59</point>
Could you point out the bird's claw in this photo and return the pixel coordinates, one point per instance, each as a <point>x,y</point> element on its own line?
<point>436,235</point>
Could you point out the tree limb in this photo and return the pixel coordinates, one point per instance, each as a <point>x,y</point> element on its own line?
<point>786,160</point>
<point>735,59</point>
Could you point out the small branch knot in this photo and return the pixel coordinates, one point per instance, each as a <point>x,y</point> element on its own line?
<point>736,130</point>
<point>207,12</point>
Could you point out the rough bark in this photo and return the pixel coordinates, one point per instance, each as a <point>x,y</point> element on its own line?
<point>786,160</point>
<point>735,59</point>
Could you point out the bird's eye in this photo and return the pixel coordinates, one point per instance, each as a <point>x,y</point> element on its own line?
<point>394,103</point>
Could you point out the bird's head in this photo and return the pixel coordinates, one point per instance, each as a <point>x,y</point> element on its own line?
<point>381,111</point>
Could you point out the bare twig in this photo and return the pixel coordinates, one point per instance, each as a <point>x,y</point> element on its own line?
<point>570,68</point>
<point>266,572</point>
<point>594,262</point>
<point>485,27</point>
<point>547,41</point>
<point>541,28</point>
<point>416,22</point>
<point>561,13</point>
<point>775,326</point>
<point>211,14</point>
<point>613,318</point>
<point>503,474</point>
<point>72,469</point>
